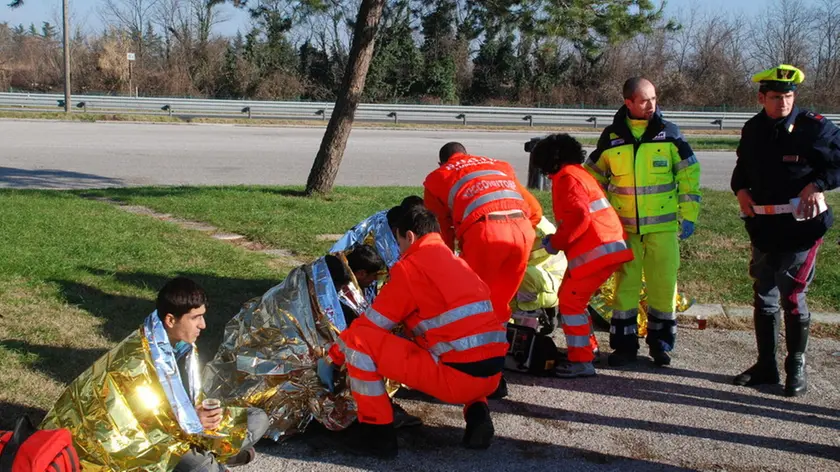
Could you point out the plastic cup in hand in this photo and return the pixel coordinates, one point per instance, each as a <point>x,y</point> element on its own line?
<point>210,404</point>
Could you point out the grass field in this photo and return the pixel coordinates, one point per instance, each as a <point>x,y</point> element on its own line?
<point>78,275</point>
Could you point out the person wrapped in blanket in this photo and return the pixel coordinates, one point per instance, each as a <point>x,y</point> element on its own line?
<point>140,406</point>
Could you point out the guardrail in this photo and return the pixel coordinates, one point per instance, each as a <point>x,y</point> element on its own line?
<point>437,114</point>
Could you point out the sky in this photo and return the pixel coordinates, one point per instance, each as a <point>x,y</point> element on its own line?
<point>85,13</point>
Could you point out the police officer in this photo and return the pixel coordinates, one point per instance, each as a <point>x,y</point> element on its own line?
<point>787,158</point>
<point>652,179</point>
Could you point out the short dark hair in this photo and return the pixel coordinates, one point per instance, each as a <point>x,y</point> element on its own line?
<point>364,257</point>
<point>393,215</point>
<point>411,201</point>
<point>631,86</point>
<point>338,271</point>
<point>178,297</point>
<point>552,152</point>
<point>450,149</point>
<point>418,220</point>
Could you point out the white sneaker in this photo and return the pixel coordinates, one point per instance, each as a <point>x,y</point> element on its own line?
<point>571,370</point>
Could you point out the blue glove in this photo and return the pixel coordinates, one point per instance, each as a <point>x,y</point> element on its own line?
<point>686,229</point>
<point>325,373</point>
<point>546,242</point>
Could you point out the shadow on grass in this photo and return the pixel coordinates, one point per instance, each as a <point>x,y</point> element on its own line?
<point>187,191</point>
<point>438,448</point>
<point>52,179</point>
<point>61,363</point>
<point>10,412</point>
<point>123,314</point>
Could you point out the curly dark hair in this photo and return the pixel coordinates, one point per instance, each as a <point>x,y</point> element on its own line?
<point>552,152</point>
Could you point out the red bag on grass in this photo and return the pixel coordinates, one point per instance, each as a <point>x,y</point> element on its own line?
<point>27,449</point>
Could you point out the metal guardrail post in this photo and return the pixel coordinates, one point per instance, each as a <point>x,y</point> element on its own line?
<point>529,119</point>
<point>248,111</point>
<point>322,113</point>
<point>167,108</point>
<point>82,105</point>
<point>393,115</point>
<point>463,118</point>
<point>593,120</point>
<point>718,122</point>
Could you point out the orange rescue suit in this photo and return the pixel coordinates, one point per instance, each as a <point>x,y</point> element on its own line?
<point>593,239</point>
<point>458,348</point>
<point>480,202</point>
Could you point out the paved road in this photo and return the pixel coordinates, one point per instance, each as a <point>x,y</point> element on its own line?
<point>52,154</point>
<point>686,417</point>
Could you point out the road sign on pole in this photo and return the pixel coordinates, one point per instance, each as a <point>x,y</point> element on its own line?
<point>130,56</point>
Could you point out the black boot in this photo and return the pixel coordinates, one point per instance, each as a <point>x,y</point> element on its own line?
<point>766,370</point>
<point>371,440</point>
<point>796,334</point>
<point>479,431</point>
<point>622,357</point>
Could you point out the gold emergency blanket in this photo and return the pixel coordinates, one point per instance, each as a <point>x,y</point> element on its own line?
<point>270,351</point>
<point>539,287</point>
<point>602,301</point>
<point>121,419</point>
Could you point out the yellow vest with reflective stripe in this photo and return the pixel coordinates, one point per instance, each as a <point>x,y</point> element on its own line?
<point>652,182</point>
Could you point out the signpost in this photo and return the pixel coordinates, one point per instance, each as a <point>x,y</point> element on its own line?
<point>130,57</point>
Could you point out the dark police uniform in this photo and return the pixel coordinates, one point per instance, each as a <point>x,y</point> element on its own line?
<point>777,158</point>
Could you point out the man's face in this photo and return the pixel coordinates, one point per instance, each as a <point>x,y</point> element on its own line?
<point>365,278</point>
<point>186,328</point>
<point>777,104</point>
<point>643,104</point>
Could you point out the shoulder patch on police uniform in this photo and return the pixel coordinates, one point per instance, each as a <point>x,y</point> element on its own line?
<point>814,116</point>
<point>660,136</point>
<point>616,142</point>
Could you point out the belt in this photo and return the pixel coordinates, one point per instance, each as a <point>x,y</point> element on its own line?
<point>500,216</point>
<point>773,209</point>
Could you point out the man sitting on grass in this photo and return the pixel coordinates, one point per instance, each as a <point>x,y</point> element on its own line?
<point>139,406</point>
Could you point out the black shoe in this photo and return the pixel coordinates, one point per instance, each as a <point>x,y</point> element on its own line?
<point>796,337</point>
<point>479,431</point>
<point>245,456</point>
<point>660,358</point>
<point>621,357</point>
<point>796,382</point>
<point>758,374</point>
<point>371,440</point>
<point>501,390</point>
<point>402,419</point>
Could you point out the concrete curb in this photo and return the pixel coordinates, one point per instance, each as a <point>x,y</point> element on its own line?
<point>714,309</point>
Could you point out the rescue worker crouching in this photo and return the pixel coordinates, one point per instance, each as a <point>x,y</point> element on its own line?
<point>652,179</point>
<point>590,234</point>
<point>458,349</point>
<point>787,158</point>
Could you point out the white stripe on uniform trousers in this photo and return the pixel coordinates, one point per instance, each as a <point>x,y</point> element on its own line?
<point>661,315</point>
<point>575,320</point>
<point>577,341</point>
<point>627,329</point>
<point>371,388</point>
<point>653,326</point>
<point>626,314</point>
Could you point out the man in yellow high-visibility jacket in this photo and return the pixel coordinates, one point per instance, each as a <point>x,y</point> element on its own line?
<point>652,178</point>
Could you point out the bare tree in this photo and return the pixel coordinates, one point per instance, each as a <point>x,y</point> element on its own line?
<point>782,33</point>
<point>325,168</point>
<point>130,16</point>
<point>827,50</point>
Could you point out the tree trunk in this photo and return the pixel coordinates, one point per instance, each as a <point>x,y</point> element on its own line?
<point>325,168</point>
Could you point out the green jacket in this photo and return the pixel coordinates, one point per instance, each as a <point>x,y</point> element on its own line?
<point>653,181</point>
